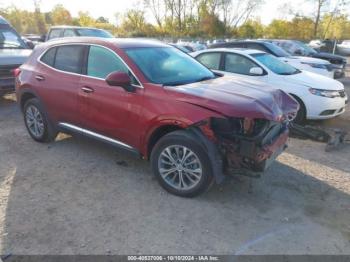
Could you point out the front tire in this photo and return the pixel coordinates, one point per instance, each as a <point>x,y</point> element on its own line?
<point>37,123</point>
<point>181,165</point>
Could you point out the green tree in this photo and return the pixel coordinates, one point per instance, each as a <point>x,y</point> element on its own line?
<point>61,16</point>
<point>251,29</point>
<point>84,19</point>
<point>278,29</point>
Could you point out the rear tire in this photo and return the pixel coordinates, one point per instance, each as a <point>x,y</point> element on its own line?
<point>37,122</point>
<point>181,165</point>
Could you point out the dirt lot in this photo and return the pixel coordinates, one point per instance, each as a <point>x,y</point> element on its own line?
<point>77,196</point>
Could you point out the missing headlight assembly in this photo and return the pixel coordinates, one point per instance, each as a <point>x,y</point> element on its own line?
<point>247,143</point>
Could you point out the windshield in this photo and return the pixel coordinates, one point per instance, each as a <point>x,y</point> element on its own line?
<point>10,40</point>
<point>94,33</point>
<point>168,66</point>
<point>306,48</point>
<point>276,50</point>
<point>275,65</point>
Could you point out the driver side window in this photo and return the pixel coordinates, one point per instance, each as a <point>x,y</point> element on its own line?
<point>238,64</point>
<point>102,62</point>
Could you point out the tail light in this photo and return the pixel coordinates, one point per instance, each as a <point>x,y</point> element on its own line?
<point>16,72</point>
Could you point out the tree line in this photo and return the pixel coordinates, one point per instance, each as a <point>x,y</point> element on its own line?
<point>195,19</point>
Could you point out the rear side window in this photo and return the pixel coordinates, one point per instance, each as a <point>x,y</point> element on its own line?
<point>210,60</point>
<point>54,33</point>
<point>102,62</point>
<point>69,58</point>
<point>49,57</point>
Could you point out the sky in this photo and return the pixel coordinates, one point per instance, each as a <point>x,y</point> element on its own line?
<point>108,8</point>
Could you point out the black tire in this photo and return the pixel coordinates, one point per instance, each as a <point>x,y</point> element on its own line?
<point>183,139</point>
<point>49,133</point>
<point>301,115</point>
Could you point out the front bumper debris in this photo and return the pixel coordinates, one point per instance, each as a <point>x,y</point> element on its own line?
<point>254,156</point>
<point>253,151</point>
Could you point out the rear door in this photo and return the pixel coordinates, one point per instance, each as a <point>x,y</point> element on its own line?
<point>212,60</point>
<point>59,76</point>
<point>108,110</point>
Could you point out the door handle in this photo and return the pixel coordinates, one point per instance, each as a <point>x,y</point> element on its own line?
<point>39,78</point>
<point>87,89</point>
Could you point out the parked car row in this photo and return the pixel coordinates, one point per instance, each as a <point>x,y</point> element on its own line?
<point>319,97</point>
<point>195,117</point>
<point>297,48</point>
<point>331,46</point>
<point>311,64</point>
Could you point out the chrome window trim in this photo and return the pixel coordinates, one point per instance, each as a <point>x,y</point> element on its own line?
<point>94,134</point>
<point>86,44</point>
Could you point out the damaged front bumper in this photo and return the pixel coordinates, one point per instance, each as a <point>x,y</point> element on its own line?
<point>245,143</point>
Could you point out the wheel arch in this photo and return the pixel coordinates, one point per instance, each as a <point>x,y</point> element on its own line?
<point>300,101</point>
<point>157,134</point>
<point>24,96</point>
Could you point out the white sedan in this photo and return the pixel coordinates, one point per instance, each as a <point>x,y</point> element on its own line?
<point>319,97</point>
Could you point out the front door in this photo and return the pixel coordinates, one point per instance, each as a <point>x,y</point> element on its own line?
<point>240,65</point>
<point>108,110</point>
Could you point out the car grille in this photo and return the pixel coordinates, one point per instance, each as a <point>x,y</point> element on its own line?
<point>342,93</point>
<point>7,71</point>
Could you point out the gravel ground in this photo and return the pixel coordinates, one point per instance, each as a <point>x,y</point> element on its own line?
<point>77,196</point>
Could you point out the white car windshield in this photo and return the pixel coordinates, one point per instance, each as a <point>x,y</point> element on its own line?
<point>275,65</point>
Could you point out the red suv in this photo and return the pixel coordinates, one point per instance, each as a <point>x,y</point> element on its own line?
<point>157,102</point>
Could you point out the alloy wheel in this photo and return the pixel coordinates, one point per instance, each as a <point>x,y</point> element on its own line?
<point>35,122</point>
<point>180,167</point>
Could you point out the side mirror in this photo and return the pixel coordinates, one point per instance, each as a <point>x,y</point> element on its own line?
<point>256,71</point>
<point>121,79</point>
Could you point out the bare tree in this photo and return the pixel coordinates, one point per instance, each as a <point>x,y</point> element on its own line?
<point>157,7</point>
<point>320,4</point>
<point>336,11</point>
<point>39,18</point>
<point>236,12</point>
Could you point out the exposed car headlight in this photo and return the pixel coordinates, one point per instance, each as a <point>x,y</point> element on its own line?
<point>232,127</point>
<point>320,66</point>
<point>324,93</point>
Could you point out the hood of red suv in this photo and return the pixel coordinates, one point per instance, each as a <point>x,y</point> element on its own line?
<point>237,97</point>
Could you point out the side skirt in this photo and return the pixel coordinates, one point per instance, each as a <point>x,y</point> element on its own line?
<point>116,143</point>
